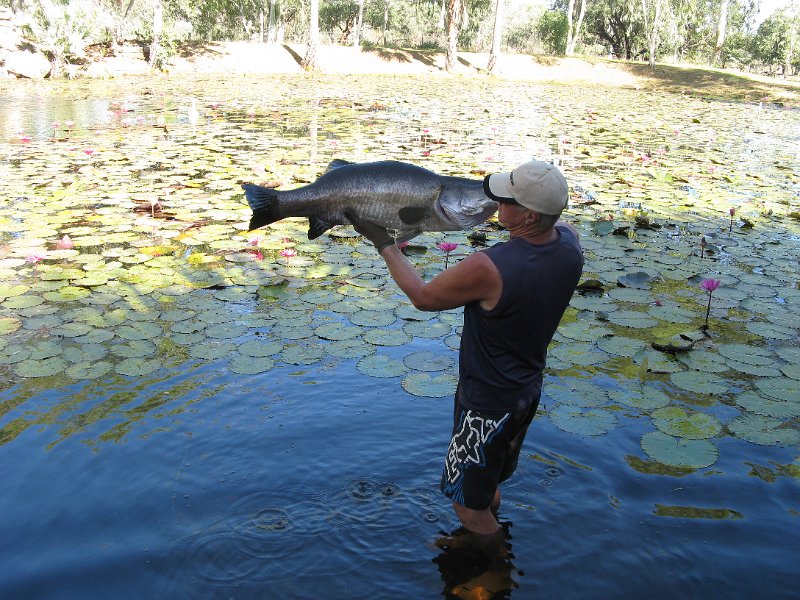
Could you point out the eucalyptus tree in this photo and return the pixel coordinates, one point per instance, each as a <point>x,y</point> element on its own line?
<point>775,43</point>
<point>573,26</point>
<point>722,24</point>
<point>652,14</point>
<point>497,35</point>
<point>456,19</point>
<point>311,58</point>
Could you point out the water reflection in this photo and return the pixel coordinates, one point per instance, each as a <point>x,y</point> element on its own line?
<point>471,571</point>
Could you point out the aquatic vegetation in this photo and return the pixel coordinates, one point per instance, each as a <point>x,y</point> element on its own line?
<point>124,253</point>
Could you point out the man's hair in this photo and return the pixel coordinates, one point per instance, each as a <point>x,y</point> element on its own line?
<point>547,222</point>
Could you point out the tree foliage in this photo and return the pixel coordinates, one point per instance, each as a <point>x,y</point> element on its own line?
<point>699,31</point>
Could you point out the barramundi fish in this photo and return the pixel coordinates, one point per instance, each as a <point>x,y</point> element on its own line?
<point>397,195</point>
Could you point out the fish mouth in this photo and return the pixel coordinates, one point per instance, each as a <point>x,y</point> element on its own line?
<point>465,221</point>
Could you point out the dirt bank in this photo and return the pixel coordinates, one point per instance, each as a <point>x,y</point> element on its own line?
<point>249,58</point>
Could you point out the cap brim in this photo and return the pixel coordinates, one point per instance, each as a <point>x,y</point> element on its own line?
<point>498,186</point>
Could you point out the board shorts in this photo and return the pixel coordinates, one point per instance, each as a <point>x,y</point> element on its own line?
<point>483,452</point>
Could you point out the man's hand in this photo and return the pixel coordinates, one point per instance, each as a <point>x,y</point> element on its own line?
<point>378,235</point>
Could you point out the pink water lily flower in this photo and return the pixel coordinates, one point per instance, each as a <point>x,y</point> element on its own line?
<point>88,151</point>
<point>709,285</point>
<point>65,243</point>
<point>34,258</point>
<point>447,248</point>
<point>288,252</point>
<point>731,212</point>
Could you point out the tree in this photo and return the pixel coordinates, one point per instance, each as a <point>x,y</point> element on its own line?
<point>311,61</point>
<point>722,24</point>
<point>158,26</point>
<point>456,19</point>
<point>574,31</point>
<point>618,24</point>
<point>359,24</point>
<point>651,14</point>
<point>497,35</point>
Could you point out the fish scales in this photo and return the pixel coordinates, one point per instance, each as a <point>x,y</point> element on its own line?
<point>396,195</point>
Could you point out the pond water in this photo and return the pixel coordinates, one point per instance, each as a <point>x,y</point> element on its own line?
<point>192,410</point>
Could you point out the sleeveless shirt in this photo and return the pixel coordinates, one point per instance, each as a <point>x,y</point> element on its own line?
<point>503,350</point>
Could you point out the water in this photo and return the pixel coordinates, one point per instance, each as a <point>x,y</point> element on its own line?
<point>317,476</point>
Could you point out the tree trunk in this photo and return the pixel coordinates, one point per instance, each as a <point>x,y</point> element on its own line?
<point>497,36</point>
<point>359,21</point>
<point>570,29</point>
<point>310,61</point>
<point>158,25</point>
<point>574,32</point>
<point>271,33</point>
<point>721,27</point>
<point>385,20</point>
<point>455,17</point>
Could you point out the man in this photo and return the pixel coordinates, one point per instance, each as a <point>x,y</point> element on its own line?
<point>514,295</point>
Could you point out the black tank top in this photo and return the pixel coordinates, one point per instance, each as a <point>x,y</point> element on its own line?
<point>503,350</point>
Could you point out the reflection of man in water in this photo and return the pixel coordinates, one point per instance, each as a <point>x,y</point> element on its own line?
<point>513,295</point>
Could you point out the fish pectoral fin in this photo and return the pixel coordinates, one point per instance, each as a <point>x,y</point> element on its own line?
<point>404,235</point>
<point>316,227</point>
<point>336,163</point>
<point>413,214</point>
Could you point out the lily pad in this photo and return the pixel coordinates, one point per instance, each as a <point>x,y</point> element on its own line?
<point>592,422</point>
<point>249,365</point>
<point>768,407</point>
<point>423,384</point>
<point>700,383</point>
<point>764,431</point>
<point>429,361</point>
<point>676,452</point>
<point>380,365</point>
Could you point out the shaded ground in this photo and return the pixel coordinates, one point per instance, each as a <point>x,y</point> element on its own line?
<point>251,58</point>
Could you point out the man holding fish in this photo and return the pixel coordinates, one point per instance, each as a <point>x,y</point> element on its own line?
<point>513,295</point>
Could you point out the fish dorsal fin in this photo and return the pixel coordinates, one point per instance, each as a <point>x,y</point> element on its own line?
<point>336,163</point>
<point>316,227</point>
<point>413,214</point>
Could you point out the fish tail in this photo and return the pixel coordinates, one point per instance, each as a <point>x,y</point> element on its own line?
<point>263,202</point>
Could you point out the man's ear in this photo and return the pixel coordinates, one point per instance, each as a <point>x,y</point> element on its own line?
<point>532,217</point>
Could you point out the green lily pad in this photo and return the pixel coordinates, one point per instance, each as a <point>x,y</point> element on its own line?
<point>676,452</point>
<point>302,355</point>
<point>429,361</point>
<point>632,318</point>
<point>780,388</point>
<point>643,398</point>
<point>592,422</point>
<point>9,325</point>
<point>139,331</point>
<point>619,345</point>
<point>40,367</point>
<point>89,369</point>
<point>768,407</point>
<point>259,348</point>
<point>349,348</point>
<point>380,365</point>
<point>427,329</point>
<point>697,426</point>
<point>372,318</point>
<point>211,350</point>
<point>700,383</point>
<point>387,337</point>
<point>744,353</point>
<point>423,384</point>
<point>764,431</point>
<point>579,353</point>
<point>136,367</point>
<point>249,365</point>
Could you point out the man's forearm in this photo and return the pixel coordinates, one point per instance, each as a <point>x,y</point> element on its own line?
<point>404,274</point>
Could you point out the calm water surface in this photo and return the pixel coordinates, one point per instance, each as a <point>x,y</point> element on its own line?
<point>313,478</point>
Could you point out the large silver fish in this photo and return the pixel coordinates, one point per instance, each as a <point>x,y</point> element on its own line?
<point>397,195</point>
